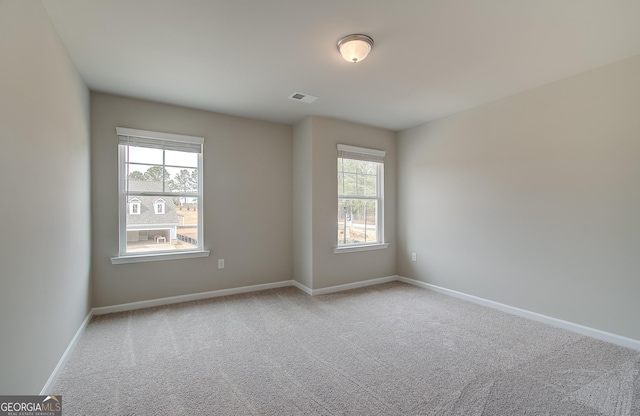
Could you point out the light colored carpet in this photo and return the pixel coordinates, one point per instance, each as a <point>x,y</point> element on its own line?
<point>391,349</point>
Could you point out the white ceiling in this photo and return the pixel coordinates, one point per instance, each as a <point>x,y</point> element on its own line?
<point>431,58</point>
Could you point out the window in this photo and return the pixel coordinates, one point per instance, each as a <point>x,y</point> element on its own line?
<point>360,197</point>
<point>134,206</point>
<point>160,180</point>
<point>158,206</point>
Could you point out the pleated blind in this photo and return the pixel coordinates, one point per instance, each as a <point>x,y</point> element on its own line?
<point>361,153</point>
<point>159,140</point>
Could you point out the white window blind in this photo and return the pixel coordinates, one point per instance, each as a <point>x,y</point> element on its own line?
<point>159,140</point>
<point>361,153</point>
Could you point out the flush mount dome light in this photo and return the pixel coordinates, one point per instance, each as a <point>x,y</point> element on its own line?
<point>354,48</point>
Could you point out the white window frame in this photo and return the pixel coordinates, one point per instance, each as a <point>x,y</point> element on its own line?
<point>167,141</point>
<point>373,155</point>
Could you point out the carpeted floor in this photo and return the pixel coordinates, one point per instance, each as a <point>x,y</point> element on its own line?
<point>391,349</point>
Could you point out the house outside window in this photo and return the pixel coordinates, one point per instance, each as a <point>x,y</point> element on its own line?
<point>160,180</point>
<point>360,197</point>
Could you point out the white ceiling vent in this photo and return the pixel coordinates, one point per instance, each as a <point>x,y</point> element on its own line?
<point>305,98</point>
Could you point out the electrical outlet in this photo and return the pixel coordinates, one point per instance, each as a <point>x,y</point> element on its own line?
<point>414,257</point>
<point>220,263</point>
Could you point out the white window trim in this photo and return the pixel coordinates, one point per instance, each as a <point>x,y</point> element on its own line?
<point>359,247</point>
<point>149,256</point>
<point>377,154</point>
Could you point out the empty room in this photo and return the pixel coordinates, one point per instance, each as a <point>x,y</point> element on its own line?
<point>335,207</point>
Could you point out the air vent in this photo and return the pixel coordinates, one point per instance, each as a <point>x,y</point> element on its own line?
<point>304,98</point>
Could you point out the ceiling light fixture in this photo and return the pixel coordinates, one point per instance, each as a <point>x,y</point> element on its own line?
<point>354,48</point>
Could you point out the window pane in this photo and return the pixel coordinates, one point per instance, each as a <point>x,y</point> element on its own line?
<point>172,225</point>
<point>187,230</point>
<point>176,158</point>
<point>361,167</point>
<point>370,216</point>
<point>357,221</point>
<point>136,172</point>
<point>142,178</point>
<point>350,184</point>
<point>182,180</point>
<point>358,179</point>
<point>362,182</point>
<point>345,221</point>
<point>370,186</point>
<point>154,227</point>
<point>145,155</point>
<point>349,165</point>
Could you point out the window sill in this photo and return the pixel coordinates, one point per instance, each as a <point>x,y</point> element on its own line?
<point>352,249</point>
<point>142,258</point>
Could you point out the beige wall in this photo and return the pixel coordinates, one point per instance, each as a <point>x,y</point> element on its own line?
<point>247,204</point>
<point>317,138</point>
<point>532,201</point>
<point>44,165</point>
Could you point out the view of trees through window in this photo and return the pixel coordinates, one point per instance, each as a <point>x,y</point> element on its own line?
<point>165,185</point>
<point>358,201</point>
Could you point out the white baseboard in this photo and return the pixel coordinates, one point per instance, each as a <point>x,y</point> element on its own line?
<point>236,290</point>
<point>302,287</point>
<point>580,329</point>
<point>187,298</point>
<point>46,390</point>
<point>355,285</point>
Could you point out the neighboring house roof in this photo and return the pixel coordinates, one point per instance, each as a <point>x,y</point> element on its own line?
<point>147,213</point>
